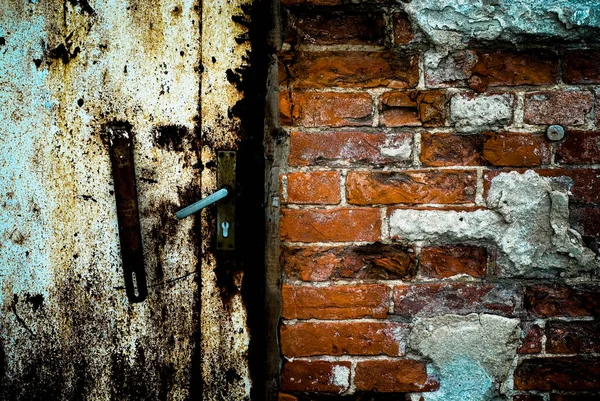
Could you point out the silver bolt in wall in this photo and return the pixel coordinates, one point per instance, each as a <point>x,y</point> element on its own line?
<point>555,133</point>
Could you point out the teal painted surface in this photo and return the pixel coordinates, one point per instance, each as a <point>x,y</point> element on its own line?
<point>27,132</point>
<point>463,379</point>
<point>447,22</point>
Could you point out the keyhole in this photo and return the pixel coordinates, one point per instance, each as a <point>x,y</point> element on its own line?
<point>225,227</point>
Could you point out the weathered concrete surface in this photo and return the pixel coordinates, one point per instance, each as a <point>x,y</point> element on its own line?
<point>451,23</point>
<point>472,355</point>
<point>68,69</point>
<point>527,219</point>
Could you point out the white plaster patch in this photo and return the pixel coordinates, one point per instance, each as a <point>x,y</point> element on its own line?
<point>340,376</point>
<point>527,219</point>
<point>443,69</point>
<point>471,354</point>
<point>474,112</point>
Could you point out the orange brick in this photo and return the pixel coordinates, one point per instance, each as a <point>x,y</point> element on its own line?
<point>510,68</point>
<point>335,302</point>
<point>514,149</point>
<point>356,338</point>
<point>451,150</point>
<point>371,261</point>
<point>413,187</point>
<point>413,108</point>
<point>394,376</point>
<point>336,225</point>
<point>320,187</point>
<point>448,261</point>
<point>352,69</point>
<point>326,109</point>
<point>315,376</point>
<point>343,148</point>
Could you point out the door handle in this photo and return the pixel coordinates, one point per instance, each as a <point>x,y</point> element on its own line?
<point>202,203</point>
<point>226,166</point>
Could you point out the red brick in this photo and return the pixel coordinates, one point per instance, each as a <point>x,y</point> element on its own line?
<point>458,298</point>
<point>336,302</point>
<point>319,187</point>
<point>403,33</point>
<point>574,397</point>
<point>286,397</point>
<point>579,147</point>
<point>557,107</point>
<point>586,220</point>
<point>597,108</point>
<point>285,107</point>
<point>582,67</point>
<point>448,261</point>
<point>586,182</point>
<point>413,108</point>
<point>326,27</point>
<point>554,301</point>
<point>356,338</point>
<point>372,261</point>
<point>448,149</point>
<point>394,376</point>
<point>337,225</point>
<point>514,149</point>
<point>511,68</point>
<point>545,374</point>
<point>412,187</point>
<point>350,69</point>
<point>349,147</point>
<point>326,109</point>
<point>528,397</point>
<point>315,376</point>
<point>532,340</point>
<point>572,337</point>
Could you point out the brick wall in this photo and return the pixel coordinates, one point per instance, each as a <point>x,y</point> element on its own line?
<point>378,120</point>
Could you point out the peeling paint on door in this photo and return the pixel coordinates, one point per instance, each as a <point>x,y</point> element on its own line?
<point>69,69</point>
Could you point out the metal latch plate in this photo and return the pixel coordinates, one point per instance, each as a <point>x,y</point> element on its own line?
<point>226,166</point>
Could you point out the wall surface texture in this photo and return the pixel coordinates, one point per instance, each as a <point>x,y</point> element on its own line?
<point>435,241</point>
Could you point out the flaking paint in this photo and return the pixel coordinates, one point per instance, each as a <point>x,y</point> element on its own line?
<point>70,69</point>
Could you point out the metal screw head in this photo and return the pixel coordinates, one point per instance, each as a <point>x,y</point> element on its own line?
<point>555,133</point>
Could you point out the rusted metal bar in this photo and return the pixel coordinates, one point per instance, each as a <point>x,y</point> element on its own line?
<point>121,156</point>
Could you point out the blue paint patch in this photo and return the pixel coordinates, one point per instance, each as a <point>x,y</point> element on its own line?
<point>28,127</point>
<point>463,379</point>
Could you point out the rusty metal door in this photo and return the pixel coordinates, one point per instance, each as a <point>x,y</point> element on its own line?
<point>70,72</point>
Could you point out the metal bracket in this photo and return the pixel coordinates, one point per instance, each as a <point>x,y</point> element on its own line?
<point>123,170</point>
<point>226,166</point>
